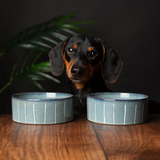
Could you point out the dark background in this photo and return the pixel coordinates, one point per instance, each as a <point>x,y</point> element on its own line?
<point>131,28</point>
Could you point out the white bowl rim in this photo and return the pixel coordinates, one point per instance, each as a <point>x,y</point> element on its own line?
<point>17,96</point>
<point>93,96</point>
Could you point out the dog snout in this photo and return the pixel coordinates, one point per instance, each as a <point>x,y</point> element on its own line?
<point>77,71</point>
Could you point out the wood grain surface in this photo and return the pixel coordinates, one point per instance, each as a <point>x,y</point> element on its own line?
<point>79,140</point>
<point>75,140</point>
<point>134,142</point>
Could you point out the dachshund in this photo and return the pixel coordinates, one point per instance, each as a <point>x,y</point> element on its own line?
<point>89,63</point>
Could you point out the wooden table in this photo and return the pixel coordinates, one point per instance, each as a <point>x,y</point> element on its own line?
<point>79,140</point>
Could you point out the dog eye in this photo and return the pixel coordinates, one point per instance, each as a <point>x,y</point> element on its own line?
<point>70,50</point>
<point>92,54</point>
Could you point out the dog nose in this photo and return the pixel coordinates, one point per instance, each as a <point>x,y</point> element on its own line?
<point>77,71</point>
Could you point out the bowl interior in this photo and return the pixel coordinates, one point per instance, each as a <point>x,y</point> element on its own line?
<point>41,96</point>
<point>117,96</point>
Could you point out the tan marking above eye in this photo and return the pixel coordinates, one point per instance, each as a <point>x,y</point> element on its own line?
<point>75,46</point>
<point>90,49</point>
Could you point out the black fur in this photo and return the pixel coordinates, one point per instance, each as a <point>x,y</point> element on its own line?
<point>95,84</point>
<point>89,62</point>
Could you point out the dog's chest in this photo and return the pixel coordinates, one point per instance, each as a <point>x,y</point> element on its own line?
<point>80,100</point>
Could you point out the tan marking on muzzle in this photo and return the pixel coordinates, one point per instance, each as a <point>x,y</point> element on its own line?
<point>68,66</point>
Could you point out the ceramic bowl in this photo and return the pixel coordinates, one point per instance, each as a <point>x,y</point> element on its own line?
<point>42,108</point>
<point>117,108</point>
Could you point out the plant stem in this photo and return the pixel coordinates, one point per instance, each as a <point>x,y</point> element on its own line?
<point>36,58</point>
<point>1,90</point>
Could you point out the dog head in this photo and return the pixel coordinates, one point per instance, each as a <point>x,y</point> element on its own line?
<point>82,57</point>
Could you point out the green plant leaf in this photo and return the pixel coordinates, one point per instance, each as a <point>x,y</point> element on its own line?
<point>36,40</point>
<point>58,36</point>
<point>48,39</point>
<point>35,59</point>
<point>30,46</point>
<point>70,32</point>
<point>36,75</point>
<point>72,27</point>
<point>43,36</point>
<point>39,43</point>
<point>44,67</point>
<point>83,22</point>
<point>66,17</point>
<point>35,83</point>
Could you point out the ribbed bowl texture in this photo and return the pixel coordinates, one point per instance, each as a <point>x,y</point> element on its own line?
<point>116,108</point>
<point>42,108</point>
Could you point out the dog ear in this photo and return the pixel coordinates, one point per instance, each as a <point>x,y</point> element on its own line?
<point>56,58</point>
<point>112,64</point>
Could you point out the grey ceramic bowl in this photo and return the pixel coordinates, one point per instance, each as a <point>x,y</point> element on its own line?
<point>117,108</point>
<point>42,108</point>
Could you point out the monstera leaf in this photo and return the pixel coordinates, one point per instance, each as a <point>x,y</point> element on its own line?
<point>35,41</point>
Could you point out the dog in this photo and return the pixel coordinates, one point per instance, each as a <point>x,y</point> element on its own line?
<point>89,63</point>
